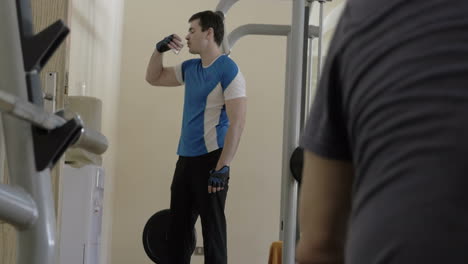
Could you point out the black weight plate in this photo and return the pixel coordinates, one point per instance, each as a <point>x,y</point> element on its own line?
<point>156,237</point>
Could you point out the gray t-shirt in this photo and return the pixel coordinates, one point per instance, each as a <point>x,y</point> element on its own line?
<point>393,100</point>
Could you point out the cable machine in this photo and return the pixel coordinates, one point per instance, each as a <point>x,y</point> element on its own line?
<point>296,105</point>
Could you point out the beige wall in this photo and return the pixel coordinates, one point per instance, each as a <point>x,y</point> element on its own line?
<point>149,121</point>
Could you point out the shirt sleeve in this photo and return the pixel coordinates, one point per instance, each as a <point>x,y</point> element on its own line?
<point>233,82</point>
<point>236,88</point>
<point>179,73</point>
<point>326,133</point>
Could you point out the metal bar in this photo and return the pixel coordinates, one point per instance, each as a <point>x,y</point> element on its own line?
<point>289,188</point>
<point>264,29</point>
<point>319,55</point>
<point>257,29</point>
<point>17,207</point>
<point>305,56</point>
<point>283,203</point>
<point>37,245</point>
<point>24,110</point>
<point>310,66</point>
<point>225,5</point>
<point>2,153</point>
<point>310,75</point>
<point>90,140</point>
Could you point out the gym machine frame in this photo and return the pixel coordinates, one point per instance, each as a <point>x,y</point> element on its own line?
<point>297,99</point>
<point>34,139</point>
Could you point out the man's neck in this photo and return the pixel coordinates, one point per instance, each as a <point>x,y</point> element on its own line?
<point>209,56</point>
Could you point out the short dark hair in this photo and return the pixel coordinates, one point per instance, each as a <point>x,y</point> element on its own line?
<point>209,19</point>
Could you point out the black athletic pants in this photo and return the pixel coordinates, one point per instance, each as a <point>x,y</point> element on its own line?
<point>189,199</point>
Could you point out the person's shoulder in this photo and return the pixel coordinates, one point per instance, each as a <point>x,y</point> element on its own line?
<point>227,60</point>
<point>190,64</point>
<point>192,61</point>
<point>228,63</point>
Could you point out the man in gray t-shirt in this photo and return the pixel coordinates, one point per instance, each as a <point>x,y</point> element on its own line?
<point>386,171</point>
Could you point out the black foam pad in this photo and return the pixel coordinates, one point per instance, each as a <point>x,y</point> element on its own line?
<point>297,163</point>
<point>156,237</point>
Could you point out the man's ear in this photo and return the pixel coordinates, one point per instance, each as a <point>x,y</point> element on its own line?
<point>210,33</point>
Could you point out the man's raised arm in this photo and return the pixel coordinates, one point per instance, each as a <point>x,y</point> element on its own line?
<point>156,73</point>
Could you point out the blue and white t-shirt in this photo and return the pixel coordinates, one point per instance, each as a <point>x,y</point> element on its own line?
<point>205,122</point>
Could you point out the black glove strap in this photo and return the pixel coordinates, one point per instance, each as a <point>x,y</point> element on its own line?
<point>220,177</point>
<point>162,45</point>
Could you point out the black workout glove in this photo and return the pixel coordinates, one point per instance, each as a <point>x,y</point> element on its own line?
<point>219,178</point>
<point>162,45</point>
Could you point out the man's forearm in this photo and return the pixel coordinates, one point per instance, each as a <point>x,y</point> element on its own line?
<point>231,143</point>
<point>155,67</point>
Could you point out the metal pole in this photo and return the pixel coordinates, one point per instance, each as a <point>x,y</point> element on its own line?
<point>224,6</point>
<point>305,48</point>
<point>310,68</point>
<point>18,207</point>
<point>319,56</point>
<point>284,180</point>
<point>2,153</point>
<point>292,112</point>
<point>310,80</point>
